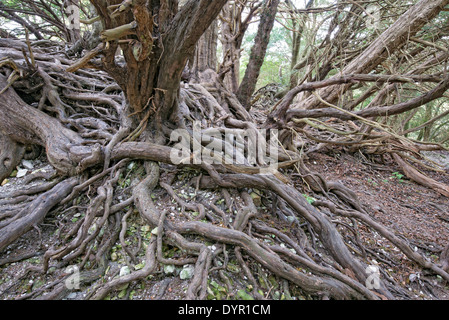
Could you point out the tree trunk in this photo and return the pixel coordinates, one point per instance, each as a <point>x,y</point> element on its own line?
<point>157,41</point>
<point>205,56</point>
<point>258,51</point>
<point>10,155</point>
<point>296,42</point>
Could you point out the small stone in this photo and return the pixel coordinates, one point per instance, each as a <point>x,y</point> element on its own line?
<point>27,164</point>
<point>169,268</point>
<point>131,165</point>
<point>291,219</point>
<point>21,173</point>
<point>256,199</point>
<point>124,271</point>
<point>72,296</point>
<point>114,256</point>
<point>92,229</point>
<point>187,272</point>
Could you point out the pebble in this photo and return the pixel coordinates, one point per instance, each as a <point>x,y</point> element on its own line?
<point>72,296</point>
<point>124,271</point>
<point>169,268</point>
<point>27,164</point>
<point>21,173</point>
<point>187,272</point>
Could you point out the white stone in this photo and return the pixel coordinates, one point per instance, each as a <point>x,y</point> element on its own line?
<point>27,164</point>
<point>21,173</point>
<point>124,271</point>
<point>187,272</point>
<point>169,268</point>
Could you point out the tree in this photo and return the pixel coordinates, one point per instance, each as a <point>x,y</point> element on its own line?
<point>296,35</point>
<point>257,55</point>
<point>233,27</point>
<point>107,120</point>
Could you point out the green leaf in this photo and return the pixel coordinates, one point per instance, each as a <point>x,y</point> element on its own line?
<point>139,266</point>
<point>244,295</point>
<point>122,294</point>
<point>309,198</point>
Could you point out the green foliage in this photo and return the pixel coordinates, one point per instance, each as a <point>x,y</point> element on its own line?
<point>397,176</point>
<point>275,68</point>
<point>309,198</point>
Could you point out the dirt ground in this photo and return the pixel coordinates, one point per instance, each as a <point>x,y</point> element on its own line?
<point>412,211</point>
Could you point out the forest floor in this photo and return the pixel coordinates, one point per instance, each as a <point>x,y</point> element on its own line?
<point>412,211</point>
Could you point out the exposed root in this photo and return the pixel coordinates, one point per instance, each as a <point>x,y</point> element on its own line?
<point>260,224</point>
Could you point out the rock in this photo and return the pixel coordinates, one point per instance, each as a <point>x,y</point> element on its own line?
<point>21,173</point>
<point>92,229</point>
<point>412,277</point>
<point>187,272</point>
<point>131,165</point>
<point>169,268</point>
<point>256,199</point>
<point>71,296</point>
<point>27,164</point>
<point>124,271</point>
<point>114,256</point>
<point>291,219</point>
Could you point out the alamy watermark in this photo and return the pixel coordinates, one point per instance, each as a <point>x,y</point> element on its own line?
<point>73,14</point>
<point>73,281</point>
<point>373,16</point>
<point>373,280</point>
<point>257,148</point>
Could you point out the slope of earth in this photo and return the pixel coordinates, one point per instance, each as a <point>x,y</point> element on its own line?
<point>414,212</point>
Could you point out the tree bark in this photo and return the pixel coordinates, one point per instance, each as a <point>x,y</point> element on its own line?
<point>296,35</point>
<point>10,155</point>
<point>161,41</point>
<point>64,147</point>
<point>205,56</point>
<point>233,29</point>
<point>258,51</point>
<point>35,213</point>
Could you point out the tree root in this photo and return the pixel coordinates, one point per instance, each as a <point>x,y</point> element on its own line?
<point>36,212</point>
<point>84,133</point>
